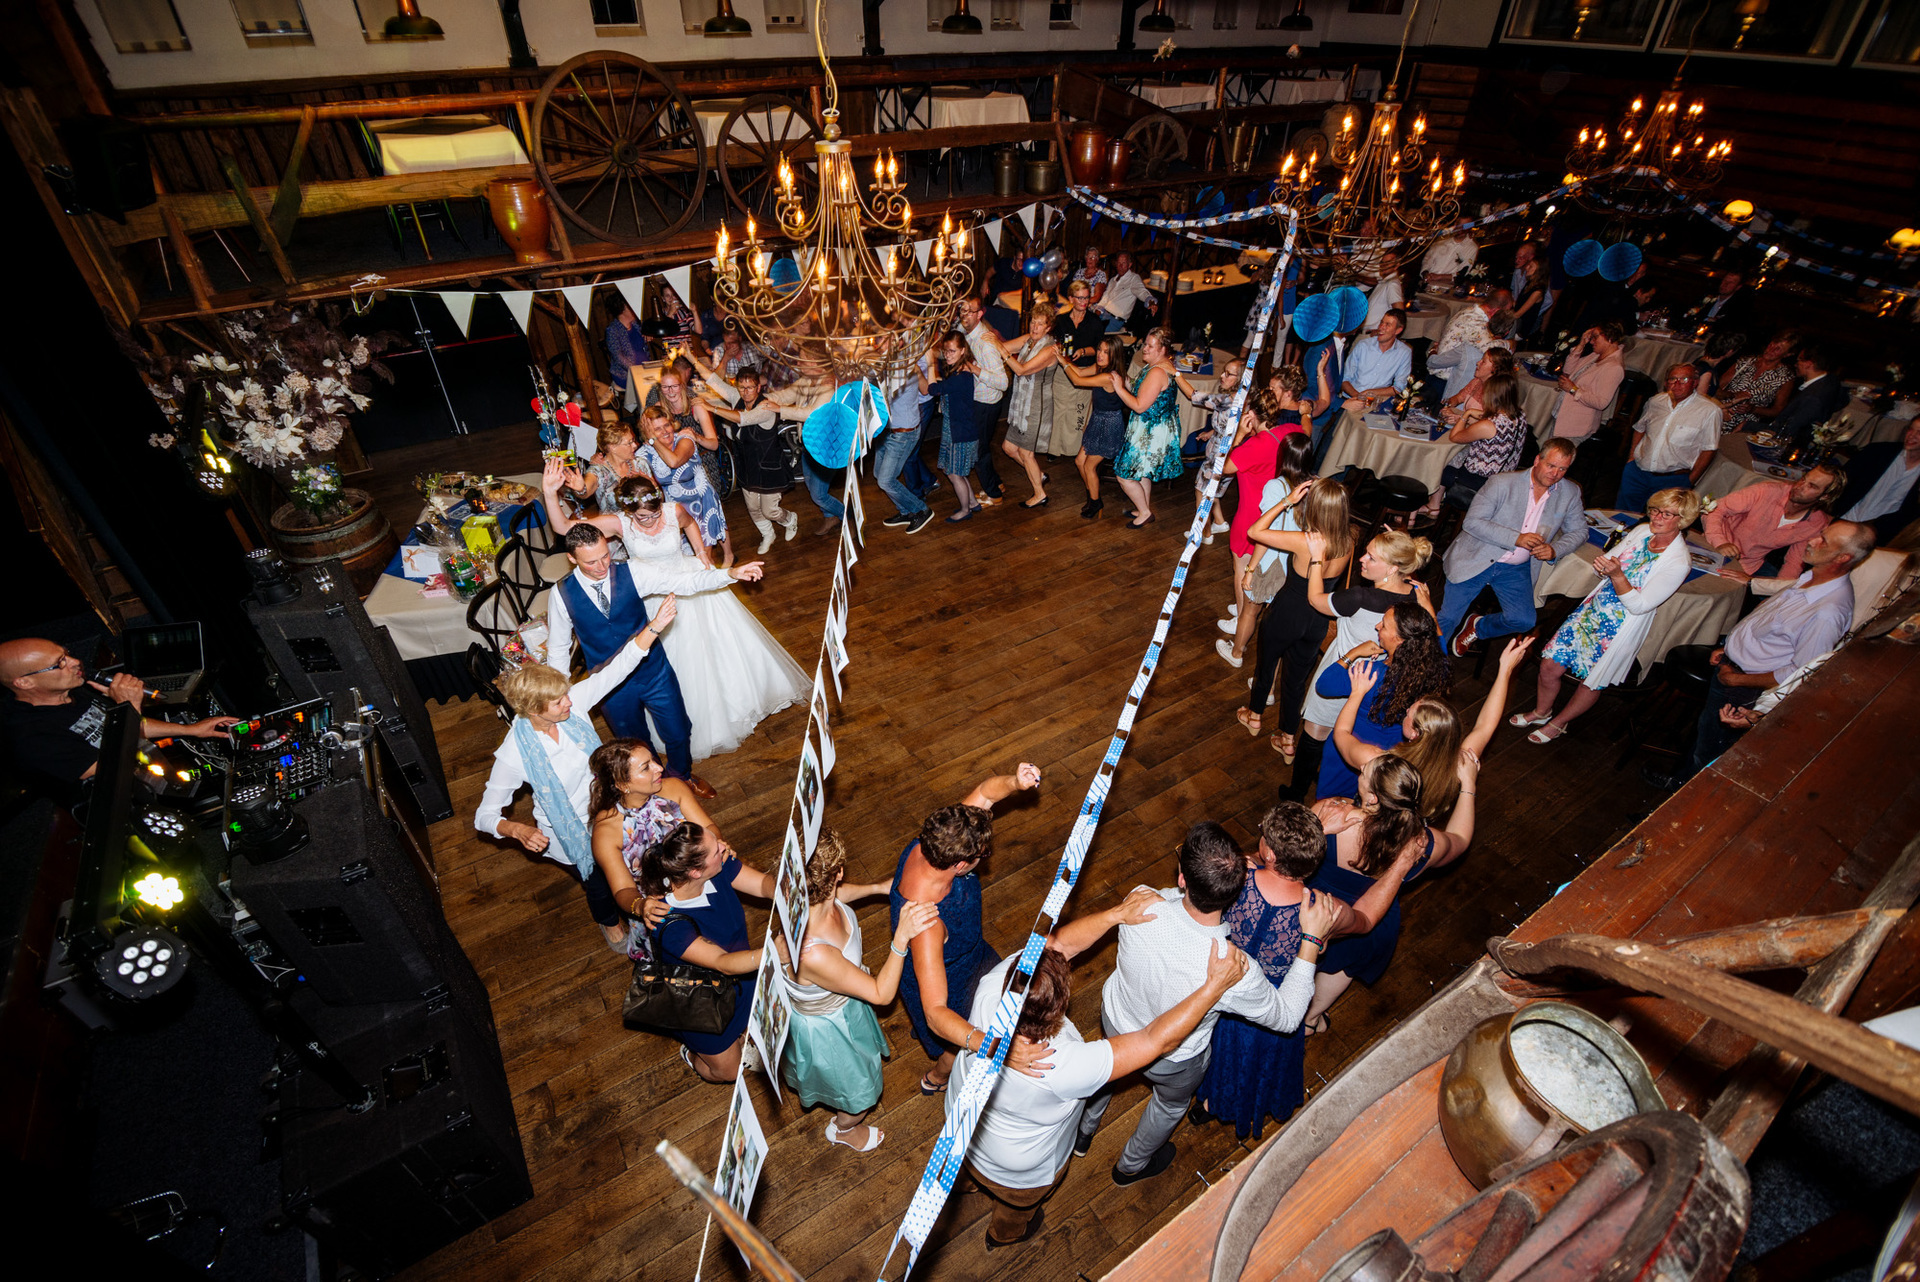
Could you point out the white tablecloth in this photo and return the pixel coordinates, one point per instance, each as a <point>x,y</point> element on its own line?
<point>1733,468</point>
<point>422,626</point>
<point>712,115</point>
<point>994,109</point>
<point>1538,397</point>
<point>1654,354</point>
<point>1178,97</point>
<point>1332,89</point>
<point>432,143</point>
<point>1385,453</point>
<point>1700,613</point>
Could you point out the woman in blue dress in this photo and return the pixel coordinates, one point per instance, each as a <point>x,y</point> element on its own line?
<point>1382,841</point>
<point>706,925</point>
<point>1153,428</point>
<point>939,868</point>
<point>671,456</point>
<point>1416,669</point>
<point>1106,432</point>
<point>959,433</point>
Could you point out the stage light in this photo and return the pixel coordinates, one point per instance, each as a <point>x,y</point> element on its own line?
<point>142,962</point>
<point>162,892</point>
<point>272,585</point>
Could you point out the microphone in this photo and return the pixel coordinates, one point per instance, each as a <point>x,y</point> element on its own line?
<point>106,679</point>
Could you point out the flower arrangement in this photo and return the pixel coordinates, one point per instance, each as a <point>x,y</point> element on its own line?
<point>1475,271</point>
<point>281,385</point>
<point>1826,435</point>
<point>315,487</point>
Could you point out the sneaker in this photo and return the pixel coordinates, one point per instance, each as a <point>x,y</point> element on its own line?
<point>898,520</point>
<point>766,541</point>
<point>1159,1162</point>
<point>1227,626</point>
<point>1466,636</point>
<point>1081,1144</point>
<point>1233,611</point>
<point>793,525</point>
<point>1224,649</point>
<point>920,521</point>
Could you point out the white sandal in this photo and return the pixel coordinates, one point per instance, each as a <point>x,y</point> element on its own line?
<point>1523,721</point>
<point>874,1136</point>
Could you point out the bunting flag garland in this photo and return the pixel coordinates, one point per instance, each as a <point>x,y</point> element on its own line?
<point>1027,219</point>
<point>580,298</point>
<point>992,230</point>
<point>681,278</point>
<point>965,1107</point>
<point>634,290</point>
<point>520,303</point>
<point>460,307</point>
<point>922,249</point>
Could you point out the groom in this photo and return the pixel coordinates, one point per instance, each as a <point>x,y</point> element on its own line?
<point>600,602</point>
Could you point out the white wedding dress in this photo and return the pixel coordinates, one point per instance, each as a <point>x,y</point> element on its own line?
<point>732,672</point>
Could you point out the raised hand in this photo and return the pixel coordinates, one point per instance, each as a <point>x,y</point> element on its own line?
<point>1515,650</point>
<point>1027,774</point>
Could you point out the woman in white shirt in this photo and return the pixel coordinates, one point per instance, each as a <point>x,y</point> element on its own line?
<point>560,774</point>
<point>1025,1136</point>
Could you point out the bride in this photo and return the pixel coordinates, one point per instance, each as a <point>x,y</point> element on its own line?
<point>732,671</point>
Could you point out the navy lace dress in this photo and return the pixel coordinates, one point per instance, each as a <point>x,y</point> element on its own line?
<point>965,953</point>
<point>1256,1073</point>
<point>1362,957</point>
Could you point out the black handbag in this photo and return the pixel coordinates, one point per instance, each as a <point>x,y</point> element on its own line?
<point>678,996</point>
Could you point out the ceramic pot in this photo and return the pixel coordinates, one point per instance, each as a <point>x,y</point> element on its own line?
<point>1089,154</point>
<point>1119,160</point>
<point>520,210</point>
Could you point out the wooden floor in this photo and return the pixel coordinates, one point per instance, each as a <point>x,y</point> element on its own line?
<point>1010,638</point>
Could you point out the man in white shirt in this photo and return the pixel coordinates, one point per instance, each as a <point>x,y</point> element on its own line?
<point>1162,960</point>
<point>1673,441</point>
<point>1449,256</point>
<point>1025,1136</point>
<point>989,389</point>
<point>1806,617</point>
<point>1125,292</point>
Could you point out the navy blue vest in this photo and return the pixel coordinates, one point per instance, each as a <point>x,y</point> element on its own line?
<point>602,635</point>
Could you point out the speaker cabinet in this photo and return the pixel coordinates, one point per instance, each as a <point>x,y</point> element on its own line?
<point>325,645</point>
<point>111,170</point>
<point>356,913</point>
<point>437,1156</point>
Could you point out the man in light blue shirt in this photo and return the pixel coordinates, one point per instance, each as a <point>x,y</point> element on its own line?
<point>899,445</point>
<point>1378,367</point>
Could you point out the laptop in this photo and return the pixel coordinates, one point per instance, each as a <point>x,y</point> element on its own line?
<point>169,657</point>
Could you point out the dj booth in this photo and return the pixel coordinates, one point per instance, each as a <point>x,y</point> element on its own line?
<point>294,861</point>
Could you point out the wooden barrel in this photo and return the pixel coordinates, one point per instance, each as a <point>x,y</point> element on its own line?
<point>361,539</point>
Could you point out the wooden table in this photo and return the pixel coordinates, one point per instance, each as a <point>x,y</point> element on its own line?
<point>1733,468</point>
<point>1700,613</point>
<point>1385,453</point>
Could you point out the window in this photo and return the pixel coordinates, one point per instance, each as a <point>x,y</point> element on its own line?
<point>1624,24</point>
<point>1005,15</point>
<point>1226,15</point>
<point>1267,18</point>
<point>786,15</point>
<point>272,22</point>
<point>373,21</point>
<point>1894,39</point>
<point>1060,16</point>
<point>618,18</point>
<point>1181,11</point>
<point>144,26</point>
<point>1808,31</point>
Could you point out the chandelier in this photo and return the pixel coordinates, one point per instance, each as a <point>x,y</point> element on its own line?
<point>854,309</point>
<point>1376,200</point>
<point>1626,167</point>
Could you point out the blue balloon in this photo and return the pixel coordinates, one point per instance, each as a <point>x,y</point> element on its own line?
<point>1316,317</point>
<point>784,275</point>
<point>1032,268</point>
<point>1620,261</point>
<point>1353,307</point>
<point>831,431</point>
<point>1581,258</point>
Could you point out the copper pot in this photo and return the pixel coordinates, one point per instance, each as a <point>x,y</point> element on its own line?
<point>519,208</point>
<point>1492,1113</point>
<point>1089,154</point>
<point>1119,159</point>
<point>1043,177</point>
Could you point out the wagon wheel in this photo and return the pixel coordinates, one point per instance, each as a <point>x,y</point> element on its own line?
<point>617,146</point>
<point>750,158</point>
<point>1158,140</point>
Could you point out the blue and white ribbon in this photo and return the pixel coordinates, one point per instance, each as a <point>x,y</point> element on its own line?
<point>964,1109</point>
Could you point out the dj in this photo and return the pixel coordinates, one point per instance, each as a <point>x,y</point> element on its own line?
<point>53,722</point>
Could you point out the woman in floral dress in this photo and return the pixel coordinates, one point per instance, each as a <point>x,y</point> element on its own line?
<point>1598,641</point>
<point>1152,452</point>
<point>672,457</point>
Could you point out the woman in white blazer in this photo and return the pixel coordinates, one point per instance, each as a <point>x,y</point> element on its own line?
<point>1597,643</point>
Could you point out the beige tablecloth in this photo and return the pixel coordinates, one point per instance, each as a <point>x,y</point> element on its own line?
<point>1538,397</point>
<point>994,109</point>
<point>1732,468</point>
<point>432,143</point>
<point>713,114</point>
<point>424,626</point>
<point>1700,613</point>
<point>1385,453</point>
<point>1178,97</point>
<point>1653,354</point>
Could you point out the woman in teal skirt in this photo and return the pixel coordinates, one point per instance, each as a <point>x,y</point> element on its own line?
<point>834,1045</point>
<point>1152,452</point>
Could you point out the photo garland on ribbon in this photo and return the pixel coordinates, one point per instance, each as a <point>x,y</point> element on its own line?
<point>743,1150</point>
<point>772,1013</point>
<point>963,1112</point>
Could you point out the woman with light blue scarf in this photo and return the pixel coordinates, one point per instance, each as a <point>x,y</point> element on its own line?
<point>549,748</point>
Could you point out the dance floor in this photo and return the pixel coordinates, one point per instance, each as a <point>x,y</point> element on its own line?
<point>1009,638</point>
